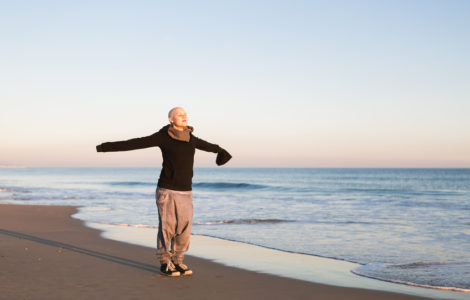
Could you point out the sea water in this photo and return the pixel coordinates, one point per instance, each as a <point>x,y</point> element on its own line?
<point>410,226</point>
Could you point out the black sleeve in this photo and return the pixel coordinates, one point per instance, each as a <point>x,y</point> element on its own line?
<point>132,144</point>
<point>222,155</point>
<point>206,146</point>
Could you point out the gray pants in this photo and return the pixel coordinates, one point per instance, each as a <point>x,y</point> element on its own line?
<point>175,213</point>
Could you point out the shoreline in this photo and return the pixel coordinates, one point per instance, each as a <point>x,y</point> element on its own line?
<point>48,254</point>
<point>311,268</point>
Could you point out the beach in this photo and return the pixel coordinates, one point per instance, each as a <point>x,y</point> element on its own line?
<point>46,254</point>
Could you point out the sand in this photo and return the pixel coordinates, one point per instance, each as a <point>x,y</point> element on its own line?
<point>46,254</point>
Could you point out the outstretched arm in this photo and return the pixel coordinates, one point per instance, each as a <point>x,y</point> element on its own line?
<point>132,144</point>
<point>222,155</point>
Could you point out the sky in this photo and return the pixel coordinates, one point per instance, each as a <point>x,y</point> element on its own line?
<point>276,83</point>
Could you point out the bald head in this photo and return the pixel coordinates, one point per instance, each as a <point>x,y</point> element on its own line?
<point>173,110</point>
<point>178,118</point>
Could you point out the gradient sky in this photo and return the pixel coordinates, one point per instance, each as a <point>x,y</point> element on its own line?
<point>277,83</point>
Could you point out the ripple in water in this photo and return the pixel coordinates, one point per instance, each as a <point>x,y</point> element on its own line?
<point>243,221</point>
<point>437,275</point>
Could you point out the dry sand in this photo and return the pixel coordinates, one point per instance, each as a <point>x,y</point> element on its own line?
<point>46,254</point>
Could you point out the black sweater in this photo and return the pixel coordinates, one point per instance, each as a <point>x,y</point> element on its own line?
<point>178,156</point>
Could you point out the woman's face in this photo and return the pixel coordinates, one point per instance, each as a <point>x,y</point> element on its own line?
<point>179,119</point>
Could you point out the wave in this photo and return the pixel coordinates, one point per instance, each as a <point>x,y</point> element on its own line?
<point>247,221</point>
<point>229,185</point>
<point>10,190</point>
<point>434,275</point>
<point>243,221</point>
<point>354,222</point>
<point>409,192</point>
<point>203,185</point>
<point>125,224</point>
<point>130,183</point>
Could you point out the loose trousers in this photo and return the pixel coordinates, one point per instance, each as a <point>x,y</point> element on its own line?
<point>175,214</point>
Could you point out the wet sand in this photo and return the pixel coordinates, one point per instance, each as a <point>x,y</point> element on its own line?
<point>46,254</point>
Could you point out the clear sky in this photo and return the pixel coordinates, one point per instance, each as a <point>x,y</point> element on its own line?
<point>277,83</point>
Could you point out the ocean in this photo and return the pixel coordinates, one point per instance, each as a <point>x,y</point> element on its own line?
<point>410,226</point>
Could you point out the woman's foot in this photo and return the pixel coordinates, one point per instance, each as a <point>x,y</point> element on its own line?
<point>183,269</point>
<point>169,270</point>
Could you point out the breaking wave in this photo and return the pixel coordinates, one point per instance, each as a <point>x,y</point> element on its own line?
<point>130,183</point>
<point>125,224</point>
<point>229,185</point>
<point>11,190</point>
<point>244,221</point>
<point>202,185</point>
